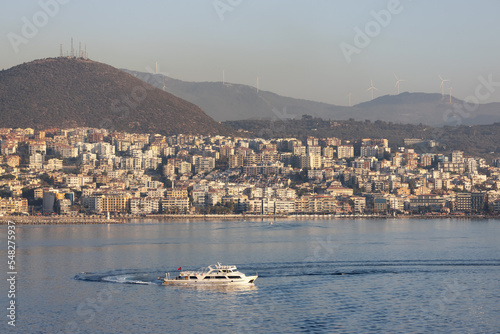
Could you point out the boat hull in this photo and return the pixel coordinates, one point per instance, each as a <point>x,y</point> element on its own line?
<point>246,280</point>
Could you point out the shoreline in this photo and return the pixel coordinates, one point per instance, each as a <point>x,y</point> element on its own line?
<point>38,220</point>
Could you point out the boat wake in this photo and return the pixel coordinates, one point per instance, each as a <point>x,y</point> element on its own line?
<point>128,279</point>
<point>352,268</point>
<point>290,270</point>
<point>121,276</point>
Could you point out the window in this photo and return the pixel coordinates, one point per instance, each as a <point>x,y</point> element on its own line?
<point>193,277</point>
<point>234,277</point>
<point>220,277</point>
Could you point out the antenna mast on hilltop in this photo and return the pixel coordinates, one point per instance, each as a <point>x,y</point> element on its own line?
<point>80,50</point>
<point>72,49</point>
<point>60,50</point>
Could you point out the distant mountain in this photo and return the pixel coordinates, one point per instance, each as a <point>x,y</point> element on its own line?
<point>69,92</point>
<point>236,102</point>
<point>425,108</point>
<point>229,102</point>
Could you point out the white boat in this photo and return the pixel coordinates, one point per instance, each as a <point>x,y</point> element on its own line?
<point>213,274</point>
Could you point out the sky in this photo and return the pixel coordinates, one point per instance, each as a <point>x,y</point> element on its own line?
<point>320,50</point>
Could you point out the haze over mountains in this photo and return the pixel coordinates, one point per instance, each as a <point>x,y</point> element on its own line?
<point>224,101</point>
<point>68,92</point>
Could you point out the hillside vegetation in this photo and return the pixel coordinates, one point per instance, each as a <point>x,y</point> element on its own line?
<point>69,92</point>
<point>477,140</point>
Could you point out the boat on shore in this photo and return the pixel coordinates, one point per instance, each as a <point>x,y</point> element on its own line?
<point>213,274</point>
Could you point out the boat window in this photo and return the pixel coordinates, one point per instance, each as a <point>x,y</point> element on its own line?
<point>220,277</point>
<point>209,277</point>
<point>193,277</point>
<point>234,277</point>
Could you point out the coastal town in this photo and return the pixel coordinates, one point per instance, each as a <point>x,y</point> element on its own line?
<point>82,172</point>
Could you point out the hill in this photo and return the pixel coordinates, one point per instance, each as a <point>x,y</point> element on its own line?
<point>425,108</point>
<point>231,102</point>
<point>69,92</point>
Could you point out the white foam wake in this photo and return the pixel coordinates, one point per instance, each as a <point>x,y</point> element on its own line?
<point>125,279</point>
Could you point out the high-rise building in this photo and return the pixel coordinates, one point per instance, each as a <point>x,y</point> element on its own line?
<point>457,156</point>
<point>463,202</point>
<point>345,151</point>
<point>204,164</point>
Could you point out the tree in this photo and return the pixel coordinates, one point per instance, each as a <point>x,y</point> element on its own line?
<point>222,163</point>
<point>75,207</point>
<point>231,206</point>
<point>46,179</point>
<point>28,193</point>
<point>358,190</point>
<point>167,183</point>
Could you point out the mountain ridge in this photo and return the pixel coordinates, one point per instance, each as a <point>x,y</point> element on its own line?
<point>231,102</point>
<point>69,92</point>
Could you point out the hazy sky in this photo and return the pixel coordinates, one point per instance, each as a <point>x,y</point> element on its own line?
<point>295,47</point>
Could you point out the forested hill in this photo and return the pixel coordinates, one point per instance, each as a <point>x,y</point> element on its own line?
<point>68,92</point>
<point>477,140</point>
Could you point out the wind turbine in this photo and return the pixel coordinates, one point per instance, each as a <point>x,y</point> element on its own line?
<point>224,80</point>
<point>442,84</point>
<point>451,88</point>
<point>372,88</point>
<point>257,85</point>
<point>397,82</point>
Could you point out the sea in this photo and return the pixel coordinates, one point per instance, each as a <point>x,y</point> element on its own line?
<point>315,276</point>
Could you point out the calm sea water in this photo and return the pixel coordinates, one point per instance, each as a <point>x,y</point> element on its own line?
<point>339,276</point>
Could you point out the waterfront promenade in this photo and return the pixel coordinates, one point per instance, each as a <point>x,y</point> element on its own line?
<point>50,220</point>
